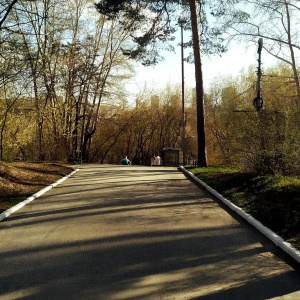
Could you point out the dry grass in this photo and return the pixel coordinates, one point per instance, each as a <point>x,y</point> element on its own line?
<point>20,180</point>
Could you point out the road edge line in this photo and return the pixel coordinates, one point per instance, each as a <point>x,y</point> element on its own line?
<point>16,207</point>
<point>274,237</point>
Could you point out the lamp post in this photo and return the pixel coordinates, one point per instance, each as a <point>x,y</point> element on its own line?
<point>258,101</point>
<point>181,22</point>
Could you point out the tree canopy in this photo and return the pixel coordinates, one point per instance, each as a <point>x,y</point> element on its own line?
<point>153,24</point>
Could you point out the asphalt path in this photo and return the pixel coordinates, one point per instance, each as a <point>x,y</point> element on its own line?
<point>133,232</point>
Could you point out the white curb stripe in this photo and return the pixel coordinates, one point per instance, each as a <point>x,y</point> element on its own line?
<point>11,210</point>
<point>275,238</point>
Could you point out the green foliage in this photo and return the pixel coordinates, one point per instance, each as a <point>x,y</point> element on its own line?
<point>265,142</point>
<point>273,200</point>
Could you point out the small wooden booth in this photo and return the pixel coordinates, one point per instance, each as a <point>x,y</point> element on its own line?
<point>171,157</point>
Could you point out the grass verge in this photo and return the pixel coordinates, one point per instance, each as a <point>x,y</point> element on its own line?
<point>272,200</point>
<point>20,180</point>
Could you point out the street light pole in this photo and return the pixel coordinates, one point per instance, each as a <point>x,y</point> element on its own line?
<point>181,22</point>
<point>258,101</point>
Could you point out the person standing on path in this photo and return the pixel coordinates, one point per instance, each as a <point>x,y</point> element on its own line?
<point>136,160</point>
<point>158,160</point>
<point>153,160</point>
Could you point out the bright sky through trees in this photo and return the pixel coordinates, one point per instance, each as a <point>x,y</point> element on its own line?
<point>238,57</point>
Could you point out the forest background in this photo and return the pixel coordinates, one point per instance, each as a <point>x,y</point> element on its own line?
<point>63,75</point>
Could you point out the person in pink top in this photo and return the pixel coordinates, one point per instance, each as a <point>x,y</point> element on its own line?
<point>153,160</point>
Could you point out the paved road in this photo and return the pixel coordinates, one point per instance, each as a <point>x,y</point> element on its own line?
<point>125,232</point>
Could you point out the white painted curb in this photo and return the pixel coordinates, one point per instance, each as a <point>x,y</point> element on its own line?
<point>275,238</point>
<point>11,210</point>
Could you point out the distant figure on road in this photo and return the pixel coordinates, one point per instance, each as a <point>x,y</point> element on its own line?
<point>157,160</point>
<point>153,160</point>
<point>125,161</point>
<point>135,160</point>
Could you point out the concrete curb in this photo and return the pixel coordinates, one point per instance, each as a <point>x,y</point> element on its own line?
<point>11,210</point>
<point>275,238</point>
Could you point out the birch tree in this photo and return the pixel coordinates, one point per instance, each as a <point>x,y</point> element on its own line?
<point>67,56</point>
<point>277,22</point>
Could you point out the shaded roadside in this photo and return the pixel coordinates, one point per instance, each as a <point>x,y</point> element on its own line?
<point>137,233</point>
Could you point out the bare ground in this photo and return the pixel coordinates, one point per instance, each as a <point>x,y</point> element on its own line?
<point>19,180</point>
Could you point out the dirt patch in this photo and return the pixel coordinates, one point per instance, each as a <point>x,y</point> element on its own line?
<point>19,180</point>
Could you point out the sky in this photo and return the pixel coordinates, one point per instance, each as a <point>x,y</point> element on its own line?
<point>237,58</point>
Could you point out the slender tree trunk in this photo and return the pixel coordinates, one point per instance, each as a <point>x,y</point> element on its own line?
<point>293,63</point>
<point>8,10</point>
<point>199,87</point>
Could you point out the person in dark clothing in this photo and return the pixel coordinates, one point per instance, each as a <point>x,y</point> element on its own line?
<point>135,161</point>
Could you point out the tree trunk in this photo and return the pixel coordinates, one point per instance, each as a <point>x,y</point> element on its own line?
<point>293,63</point>
<point>202,162</point>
